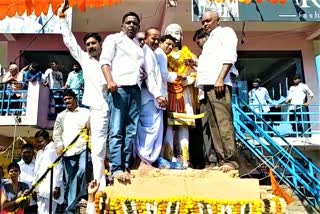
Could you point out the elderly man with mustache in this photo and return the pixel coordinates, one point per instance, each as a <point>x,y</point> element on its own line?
<point>215,66</point>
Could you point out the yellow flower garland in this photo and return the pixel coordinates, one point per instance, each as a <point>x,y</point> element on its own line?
<point>177,64</point>
<point>186,205</point>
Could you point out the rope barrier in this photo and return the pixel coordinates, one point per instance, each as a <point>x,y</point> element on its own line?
<point>84,134</point>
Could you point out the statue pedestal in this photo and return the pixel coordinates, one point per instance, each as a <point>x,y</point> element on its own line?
<point>187,191</point>
<point>195,183</point>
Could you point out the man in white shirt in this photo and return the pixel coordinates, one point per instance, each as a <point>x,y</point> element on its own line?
<point>150,126</point>
<point>214,67</point>
<point>167,43</point>
<point>67,126</point>
<point>121,61</point>
<point>53,78</point>
<point>298,94</point>
<point>27,165</point>
<point>94,94</point>
<point>46,155</point>
<point>259,101</point>
<point>209,155</point>
<point>259,97</point>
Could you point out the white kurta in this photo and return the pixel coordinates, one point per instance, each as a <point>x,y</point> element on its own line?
<point>94,96</point>
<point>27,175</point>
<point>259,99</point>
<point>44,159</point>
<point>165,74</point>
<point>150,126</point>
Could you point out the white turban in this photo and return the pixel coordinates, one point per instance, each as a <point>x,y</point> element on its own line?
<point>174,30</point>
<point>173,26</point>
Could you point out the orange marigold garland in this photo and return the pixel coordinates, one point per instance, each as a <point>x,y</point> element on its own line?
<point>273,205</point>
<point>12,7</point>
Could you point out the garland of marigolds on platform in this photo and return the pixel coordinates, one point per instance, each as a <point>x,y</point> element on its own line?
<point>187,205</point>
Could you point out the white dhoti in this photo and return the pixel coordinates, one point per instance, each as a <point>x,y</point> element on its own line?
<point>99,131</point>
<point>43,205</point>
<point>150,132</point>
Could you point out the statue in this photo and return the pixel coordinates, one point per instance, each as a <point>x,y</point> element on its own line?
<point>181,97</point>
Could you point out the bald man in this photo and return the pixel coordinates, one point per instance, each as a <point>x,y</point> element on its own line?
<point>14,79</point>
<point>214,68</point>
<point>14,76</point>
<point>150,126</point>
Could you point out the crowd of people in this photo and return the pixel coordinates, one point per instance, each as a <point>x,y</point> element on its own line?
<point>144,93</point>
<point>14,81</point>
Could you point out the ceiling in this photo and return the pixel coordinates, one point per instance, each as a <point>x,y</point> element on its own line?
<point>154,13</point>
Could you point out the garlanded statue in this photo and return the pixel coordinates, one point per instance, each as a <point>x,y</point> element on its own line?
<point>181,98</point>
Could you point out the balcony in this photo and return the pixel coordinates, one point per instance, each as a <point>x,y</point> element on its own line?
<point>31,109</point>
<point>299,125</point>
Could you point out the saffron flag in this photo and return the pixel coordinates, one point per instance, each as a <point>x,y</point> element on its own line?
<point>278,190</point>
<point>10,8</point>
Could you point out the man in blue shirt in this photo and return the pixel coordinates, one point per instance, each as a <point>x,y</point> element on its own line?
<point>32,74</point>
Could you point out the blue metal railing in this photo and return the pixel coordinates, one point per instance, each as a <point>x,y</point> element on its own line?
<point>15,101</point>
<point>12,101</point>
<point>283,160</point>
<point>300,121</point>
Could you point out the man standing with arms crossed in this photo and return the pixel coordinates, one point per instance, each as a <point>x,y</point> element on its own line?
<point>214,67</point>
<point>94,92</point>
<point>121,61</point>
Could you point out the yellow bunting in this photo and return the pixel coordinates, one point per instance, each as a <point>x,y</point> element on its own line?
<point>185,116</point>
<point>19,200</point>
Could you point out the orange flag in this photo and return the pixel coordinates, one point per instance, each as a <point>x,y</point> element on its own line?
<point>278,190</point>
<point>12,7</point>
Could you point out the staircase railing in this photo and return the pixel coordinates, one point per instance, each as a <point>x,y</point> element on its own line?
<point>281,159</point>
